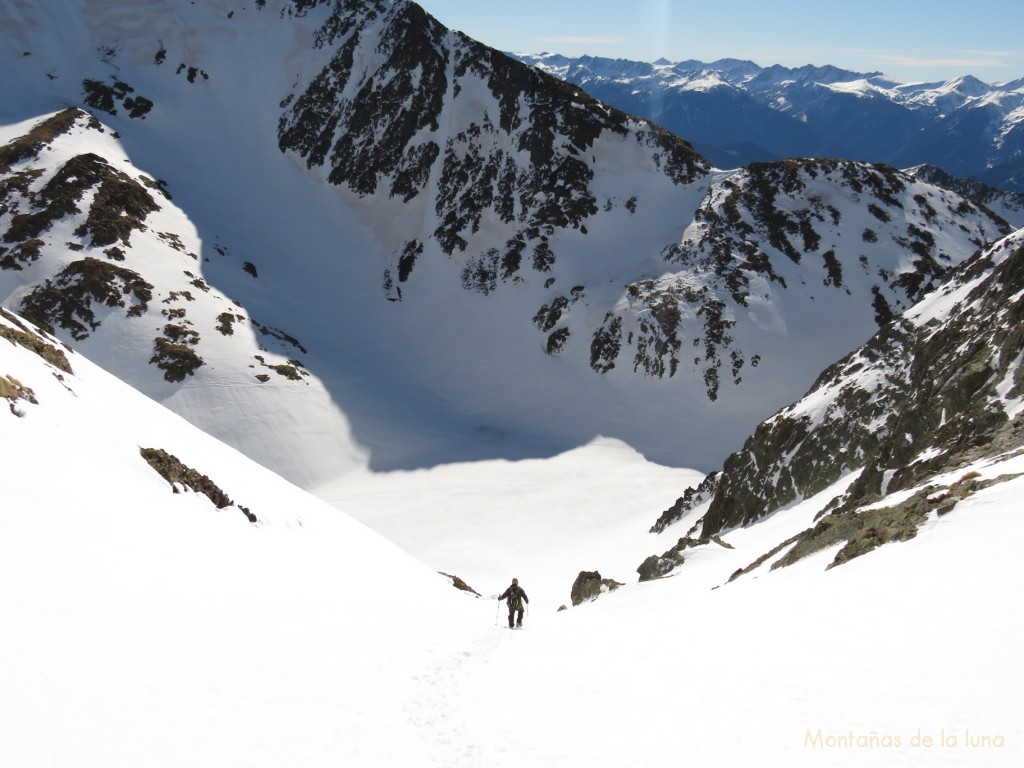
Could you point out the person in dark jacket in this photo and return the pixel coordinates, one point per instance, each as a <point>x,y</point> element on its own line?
<point>516,597</point>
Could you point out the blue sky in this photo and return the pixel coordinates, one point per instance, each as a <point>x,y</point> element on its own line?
<point>910,40</point>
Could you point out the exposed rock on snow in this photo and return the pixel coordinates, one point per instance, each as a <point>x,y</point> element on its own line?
<point>171,469</point>
<point>936,390</point>
<point>589,586</point>
<point>22,334</point>
<point>1009,205</point>
<point>458,583</point>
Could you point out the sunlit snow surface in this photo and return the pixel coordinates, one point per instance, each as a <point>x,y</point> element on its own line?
<point>143,627</point>
<point>139,627</point>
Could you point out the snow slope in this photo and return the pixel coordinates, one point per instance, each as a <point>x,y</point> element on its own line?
<point>145,626</point>
<point>148,627</point>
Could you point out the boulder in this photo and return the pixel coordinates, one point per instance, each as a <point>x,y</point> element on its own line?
<point>589,585</point>
<point>459,583</point>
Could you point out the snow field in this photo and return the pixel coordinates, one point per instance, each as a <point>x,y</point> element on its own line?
<point>143,627</point>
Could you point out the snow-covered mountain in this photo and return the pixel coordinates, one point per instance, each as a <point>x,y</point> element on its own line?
<point>342,238</point>
<point>337,235</point>
<point>896,434</point>
<point>736,112</point>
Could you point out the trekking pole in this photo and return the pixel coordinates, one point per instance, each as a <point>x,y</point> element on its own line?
<point>497,610</point>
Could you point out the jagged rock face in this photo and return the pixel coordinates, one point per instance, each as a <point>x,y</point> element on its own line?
<point>103,211</point>
<point>965,374</point>
<point>819,228</point>
<point>1009,205</point>
<point>515,151</point>
<point>938,387</point>
<point>795,208</point>
<point>518,165</point>
<point>94,251</point>
<point>361,123</point>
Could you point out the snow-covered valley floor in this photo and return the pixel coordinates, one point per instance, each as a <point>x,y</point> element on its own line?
<point>866,664</point>
<point>140,627</point>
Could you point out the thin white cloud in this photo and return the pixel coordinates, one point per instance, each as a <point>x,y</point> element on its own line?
<point>990,53</point>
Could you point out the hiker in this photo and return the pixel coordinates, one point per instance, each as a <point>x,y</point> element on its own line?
<point>516,596</point>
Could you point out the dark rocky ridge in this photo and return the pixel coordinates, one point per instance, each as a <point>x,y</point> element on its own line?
<point>920,399</point>
<point>376,131</point>
<point>1009,204</point>
<point>759,223</point>
<point>379,128</point>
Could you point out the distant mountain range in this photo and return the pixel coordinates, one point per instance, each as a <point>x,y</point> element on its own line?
<point>736,112</point>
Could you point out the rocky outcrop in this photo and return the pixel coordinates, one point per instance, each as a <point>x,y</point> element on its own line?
<point>17,332</point>
<point>656,566</point>
<point>927,383</point>
<point>460,584</point>
<point>181,476</point>
<point>119,205</point>
<point>589,586</point>
<point>1009,205</point>
<point>786,229</point>
<point>67,300</point>
<point>520,155</point>
<point>934,390</point>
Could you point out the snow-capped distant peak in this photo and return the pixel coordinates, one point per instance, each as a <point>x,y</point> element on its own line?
<point>963,125</point>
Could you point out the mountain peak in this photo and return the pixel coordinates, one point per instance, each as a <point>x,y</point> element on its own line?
<point>406,247</point>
